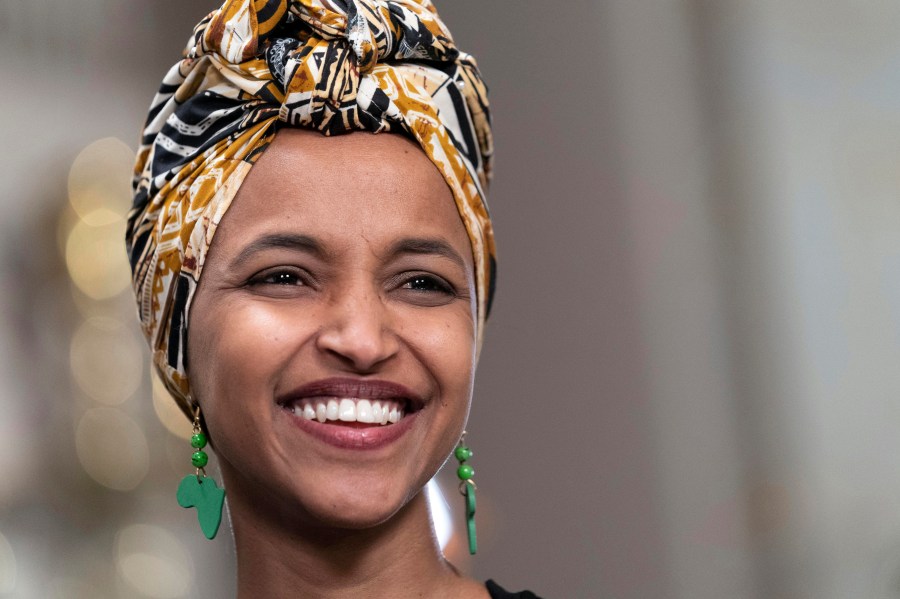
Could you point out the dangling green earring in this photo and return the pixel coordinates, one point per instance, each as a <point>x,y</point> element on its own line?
<point>467,488</point>
<point>198,490</point>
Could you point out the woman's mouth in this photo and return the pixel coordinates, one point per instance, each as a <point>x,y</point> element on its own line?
<point>353,413</point>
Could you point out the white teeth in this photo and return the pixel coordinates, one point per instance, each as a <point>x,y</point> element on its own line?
<point>331,411</point>
<point>350,410</point>
<point>376,411</point>
<point>347,411</point>
<point>364,411</point>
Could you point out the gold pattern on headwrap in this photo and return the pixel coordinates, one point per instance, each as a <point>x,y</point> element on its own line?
<point>253,66</point>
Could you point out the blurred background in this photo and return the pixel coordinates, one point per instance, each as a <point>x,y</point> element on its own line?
<point>689,388</point>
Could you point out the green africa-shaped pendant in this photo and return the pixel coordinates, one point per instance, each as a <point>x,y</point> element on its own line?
<point>202,493</point>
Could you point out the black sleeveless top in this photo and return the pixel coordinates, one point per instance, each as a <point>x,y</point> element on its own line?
<point>497,592</point>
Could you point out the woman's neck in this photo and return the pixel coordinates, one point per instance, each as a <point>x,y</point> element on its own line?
<point>396,559</point>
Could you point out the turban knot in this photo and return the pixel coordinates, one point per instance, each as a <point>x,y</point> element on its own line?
<point>319,49</point>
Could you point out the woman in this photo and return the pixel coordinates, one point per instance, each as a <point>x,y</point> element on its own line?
<point>345,283</point>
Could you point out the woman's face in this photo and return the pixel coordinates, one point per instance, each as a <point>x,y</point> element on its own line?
<point>332,341</point>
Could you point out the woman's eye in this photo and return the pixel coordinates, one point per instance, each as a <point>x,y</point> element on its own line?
<point>426,283</point>
<point>277,277</point>
<point>284,278</point>
<point>427,290</point>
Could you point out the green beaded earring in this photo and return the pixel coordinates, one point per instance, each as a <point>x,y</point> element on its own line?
<point>198,490</point>
<point>467,488</point>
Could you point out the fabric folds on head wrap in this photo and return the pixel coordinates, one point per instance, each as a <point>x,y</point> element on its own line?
<point>253,66</point>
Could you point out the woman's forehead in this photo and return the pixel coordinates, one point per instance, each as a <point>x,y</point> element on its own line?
<point>298,160</point>
<point>330,159</point>
<point>378,186</point>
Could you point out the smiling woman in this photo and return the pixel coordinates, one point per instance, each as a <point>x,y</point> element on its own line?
<point>313,316</point>
<point>319,315</point>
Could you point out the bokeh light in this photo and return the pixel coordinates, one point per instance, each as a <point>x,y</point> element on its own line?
<point>106,360</point>
<point>168,411</point>
<point>96,259</point>
<point>112,448</point>
<point>153,562</point>
<point>100,181</point>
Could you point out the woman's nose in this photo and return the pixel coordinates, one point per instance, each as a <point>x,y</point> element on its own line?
<point>357,333</point>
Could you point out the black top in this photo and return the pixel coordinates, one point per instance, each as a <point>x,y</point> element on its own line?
<point>497,592</point>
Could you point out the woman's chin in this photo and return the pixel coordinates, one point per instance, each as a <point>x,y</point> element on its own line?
<point>353,508</point>
<point>357,520</point>
<point>322,505</point>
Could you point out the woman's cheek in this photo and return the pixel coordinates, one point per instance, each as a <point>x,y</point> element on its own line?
<point>450,346</point>
<point>272,323</point>
<point>251,343</point>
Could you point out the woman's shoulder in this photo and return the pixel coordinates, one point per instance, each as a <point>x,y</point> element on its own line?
<point>498,592</point>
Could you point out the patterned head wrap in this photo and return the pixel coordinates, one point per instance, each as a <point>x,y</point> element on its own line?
<point>253,66</point>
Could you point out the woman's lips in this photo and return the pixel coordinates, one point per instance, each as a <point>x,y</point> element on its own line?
<point>351,435</point>
<point>352,413</point>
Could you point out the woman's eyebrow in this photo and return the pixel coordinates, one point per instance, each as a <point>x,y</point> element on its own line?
<point>437,247</point>
<point>303,243</point>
